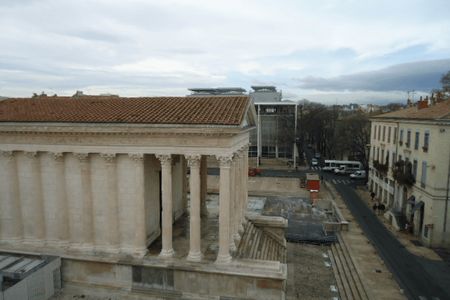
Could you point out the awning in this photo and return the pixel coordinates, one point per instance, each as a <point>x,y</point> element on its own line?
<point>418,206</point>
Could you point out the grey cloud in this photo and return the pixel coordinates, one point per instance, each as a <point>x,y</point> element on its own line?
<point>422,75</point>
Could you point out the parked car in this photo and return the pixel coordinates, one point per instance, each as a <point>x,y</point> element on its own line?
<point>314,162</point>
<point>361,174</point>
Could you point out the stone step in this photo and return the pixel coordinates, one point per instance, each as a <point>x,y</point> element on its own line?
<point>343,273</point>
<point>353,271</point>
<point>339,283</point>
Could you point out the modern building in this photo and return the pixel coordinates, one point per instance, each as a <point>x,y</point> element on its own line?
<point>276,132</point>
<point>410,168</point>
<point>100,180</point>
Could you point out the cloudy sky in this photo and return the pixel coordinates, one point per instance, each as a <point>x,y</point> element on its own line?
<point>330,51</point>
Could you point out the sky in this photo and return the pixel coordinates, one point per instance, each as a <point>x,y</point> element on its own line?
<point>335,51</point>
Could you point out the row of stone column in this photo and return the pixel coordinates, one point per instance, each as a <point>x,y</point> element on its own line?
<point>232,203</point>
<point>77,200</point>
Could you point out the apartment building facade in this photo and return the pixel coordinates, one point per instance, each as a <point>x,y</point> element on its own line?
<point>410,168</point>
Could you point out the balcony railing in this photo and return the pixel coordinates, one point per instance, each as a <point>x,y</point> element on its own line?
<point>402,173</point>
<point>382,168</point>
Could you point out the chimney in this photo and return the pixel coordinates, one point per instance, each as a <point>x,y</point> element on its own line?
<point>422,103</point>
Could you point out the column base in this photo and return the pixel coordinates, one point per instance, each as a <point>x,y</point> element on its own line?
<point>107,249</point>
<point>223,259</point>
<point>194,256</point>
<point>134,252</point>
<point>33,242</point>
<point>167,253</point>
<point>57,244</point>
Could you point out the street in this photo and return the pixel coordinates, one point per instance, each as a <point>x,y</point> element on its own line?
<point>419,278</point>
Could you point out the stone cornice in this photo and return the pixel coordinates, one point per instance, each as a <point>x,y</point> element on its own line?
<point>114,129</point>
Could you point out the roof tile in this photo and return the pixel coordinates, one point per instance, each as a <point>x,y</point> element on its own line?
<point>212,110</point>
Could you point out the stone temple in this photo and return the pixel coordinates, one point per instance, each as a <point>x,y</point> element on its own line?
<point>100,180</point>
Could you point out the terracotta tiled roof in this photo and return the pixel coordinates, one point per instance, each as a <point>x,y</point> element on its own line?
<point>439,111</point>
<point>214,110</point>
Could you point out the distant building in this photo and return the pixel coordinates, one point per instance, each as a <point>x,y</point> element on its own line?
<point>276,125</point>
<point>276,121</point>
<point>410,168</point>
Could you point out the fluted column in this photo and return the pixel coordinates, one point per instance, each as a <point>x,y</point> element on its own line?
<point>10,215</point>
<point>203,185</point>
<point>140,242</point>
<point>166,186</point>
<point>31,203</point>
<point>81,225</point>
<point>233,216</point>
<point>245,181</point>
<point>112,215</point>
<point>224,209</point>
<point>240,190</point>
<point>55,202</point>
<point>194,216</point>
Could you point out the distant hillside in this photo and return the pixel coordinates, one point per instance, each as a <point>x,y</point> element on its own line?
<point>1,97</point>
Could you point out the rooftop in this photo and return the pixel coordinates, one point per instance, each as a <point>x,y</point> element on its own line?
<point>202,110</point>
<point>438,111</point>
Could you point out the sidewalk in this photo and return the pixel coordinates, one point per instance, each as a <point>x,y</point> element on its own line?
<point>404,238</point>
<point>377,279</point>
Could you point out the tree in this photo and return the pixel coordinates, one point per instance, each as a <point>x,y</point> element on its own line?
<point>445,81</point>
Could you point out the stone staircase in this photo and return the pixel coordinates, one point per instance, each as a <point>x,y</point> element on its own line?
<point>348,281</point>
<point>256,243</point>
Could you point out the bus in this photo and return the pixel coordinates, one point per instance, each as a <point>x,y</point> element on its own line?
<point>342,166</point>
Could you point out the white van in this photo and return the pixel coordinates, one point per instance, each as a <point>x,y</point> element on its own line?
<point>361,174</point>
<point>348,167</point>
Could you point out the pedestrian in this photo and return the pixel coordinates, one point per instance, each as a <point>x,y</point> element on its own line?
<point>321,178</point>
<point>375,208</point>
<point>372,195</point>
<point>381,208</point>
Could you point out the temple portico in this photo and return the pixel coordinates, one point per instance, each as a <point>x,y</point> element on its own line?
<point>118,188</point>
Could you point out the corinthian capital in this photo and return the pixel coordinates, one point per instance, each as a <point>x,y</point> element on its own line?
<point>137,157</point>
<point>193,160</point>
<point>31,154</point>
<point>7,154</point>
<point>165,159</point>
<point>108,157</point>
<point>225,160</point>
<point>83,157</point>
<point>58,156</point>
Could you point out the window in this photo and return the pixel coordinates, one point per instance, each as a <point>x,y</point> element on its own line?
<point>387,158</point>
<point>415,168</point>
<point>384,133</point>
<point>375,132</point>
<point>271,110</point>
<point>394,156</point>
<point>395,136</point>
<point>401,137</point>
<point>416,141</point>
<point>389,134</point>
<point>382,157</point>
<point>408,138</point>
<point>378,154</point>
<point>379,132</point>
<point>426,140</point>
<point>423,179</point>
